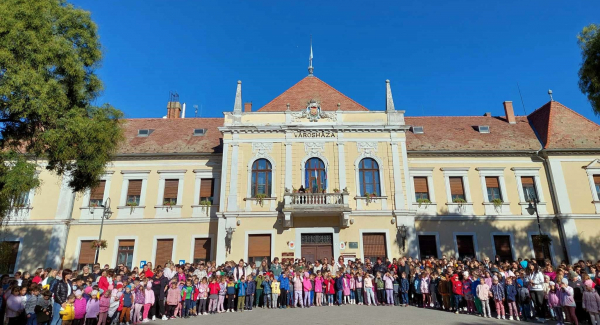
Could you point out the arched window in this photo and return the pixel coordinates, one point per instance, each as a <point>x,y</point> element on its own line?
<point>368,174</point>
<point>315,175</point>
<point>261,177</point>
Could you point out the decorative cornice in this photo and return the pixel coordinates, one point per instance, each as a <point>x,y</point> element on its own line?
<point>262,149</point>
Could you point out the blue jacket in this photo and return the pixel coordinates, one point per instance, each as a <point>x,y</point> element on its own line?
<point>404,285</point>
<point>266,287</point>
<point>339,283</point>
<point>250,288</point>
<point>417,285</point>
<point>284,283</point>
<point>511,292</point>
<point>241,290</point>
<point>474,285</point>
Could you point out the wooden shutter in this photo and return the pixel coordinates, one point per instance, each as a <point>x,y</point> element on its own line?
<point>171,186</point>
<point>86,253</point>
<point>527,180</point>
<point>134,188</point>
<point>259,245</point>
<point>206,187</point>
<point>202,249</point>
<point>374,245</point>
<point>126,243</point>
<point>492,182</point>
<point>164,251</point>
<point>456,186</point>
<point>596,179</point>
<point>503,249</point>
<point>97,192</point>
<point>421,185</point>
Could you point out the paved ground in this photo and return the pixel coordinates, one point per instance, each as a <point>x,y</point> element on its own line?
<point>339,315</point>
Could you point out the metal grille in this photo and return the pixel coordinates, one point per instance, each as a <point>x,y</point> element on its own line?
<point>317,239</point>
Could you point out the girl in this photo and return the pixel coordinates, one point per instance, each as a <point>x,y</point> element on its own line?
<point>499,296</point>
<point>568,300</point>
<point>172,299</point>
<point>67,311</point>
<point>213,290</point>
<point>139,301</point>
<point>318,288</point>
<point>554,303</point>
<point>468,293</point>
<point>14,306</point>
<point>425,281</point>
<point>483,293</point>
<point>92,309</point>
<point>80,305</point>
<point>148,301</point>
<point>275,291</point>
<point>591,302</point>
<point>358,280</point>
<point>346,288</point>
<point>202,295</point>
<point>329,289</point>
<point>389,288</point>
<point>103,306</point>
<point>511,297</point>
<point>352,280</point>
<point>222,292</point>
<point>307,287</point>
<point>298,290</point>
<point>368,282</point>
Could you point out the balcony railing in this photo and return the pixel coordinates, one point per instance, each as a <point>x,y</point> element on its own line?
<point>316,198</point>
<point>316,204</point>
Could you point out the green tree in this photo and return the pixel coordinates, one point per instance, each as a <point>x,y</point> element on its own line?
<point>589,73</point>
<point>49,52</point>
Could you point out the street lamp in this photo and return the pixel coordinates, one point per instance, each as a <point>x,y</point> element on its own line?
<point>106,214</point>
<point>531,209</point>
<point>403,230</point>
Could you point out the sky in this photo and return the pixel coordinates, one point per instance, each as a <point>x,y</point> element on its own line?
<point>442,57</point>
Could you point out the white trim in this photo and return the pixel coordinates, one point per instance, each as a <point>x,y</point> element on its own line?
<point>455,208</point>
<point>335,231</point>
<point>78,250</point>
<point>223,182</point>
<point>535,173</point>
<point>116,249</point>
<point>386,232</point>
<point>475,245</point>
<point>303,169</point>
<point>232,204</point>
<point>288,165</point>
<point>424,209</point>
<point>358,183</point>
<point>437,242</point>
<point>563,203</point>
<point>86,212</point>
<point>591,170</point>
<point>406,173</point>
<point>19,251</point>
<point>341,165</point>
<point>490,209</point>
<point>512,243</point>
<point>193,245</point>
<point>530,240</point>
<point>155,245</point>
<point>273,181</point>
<point>260,232</point>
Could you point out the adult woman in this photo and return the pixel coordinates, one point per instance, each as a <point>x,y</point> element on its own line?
<point>536,289</point>
<point>263,266</point>
<point>103,281</point>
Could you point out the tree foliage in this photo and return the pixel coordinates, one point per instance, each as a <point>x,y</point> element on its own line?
<point>589,73</point>
<point>49,52</point>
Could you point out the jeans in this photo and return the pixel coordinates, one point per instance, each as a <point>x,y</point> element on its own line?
<point>340,296</point>
<point>370,296</point>
<point>31,319</point>
<point>330,299</point>
<point>249,301</point>
<point>56,318</point>
<point>457,300</point>
<point>359,295</point>
<point>267,302</point>
<point>485,304</point>
<point>351,294</point>
<point>404,298</point>
<point>201,306</point>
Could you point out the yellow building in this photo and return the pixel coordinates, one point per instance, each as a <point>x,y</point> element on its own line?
<point>377,184</point>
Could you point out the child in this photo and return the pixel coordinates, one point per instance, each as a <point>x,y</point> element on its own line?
<point>250,290</point>
<point>266,284</point>
<point>444,289</point>
<point>202,295</point>
<point>404,287</point>
<point>346,288</point>
<point>483,293</point>
<point>68,311</point>
<point>259,290</point>
<point>284,288</point>
<point>172,299</point>
<point>275,290</point>
<point>417,289</point>
<point>359,283</point>
<point>352,280</point>
<point>318,288</point>
<point>457,292</point>
<point>222,292</point>
<point>195,296</point>
<point>92,309</point>
<point>241,293</point>
<point>433,285</point>
<point>148,301</point>
<point>380,285</point>
<point>468,293</point>
<point>389,288</point>
<point>568,300</point>
<point>329,289</point>
<point>103,307</point>
<point>511,297</point>
<point>554,302</point>
<point>298,290</point>
<point>396,289</point>
<point>368,283</point>
<point>114,311</point>
<point>31,300</point>
<point>524,299</point>
<point>425,281</point>
<point>591,302</point>
<point>43,308</point>
<point>213,291</point>
<point>138,303</point>
<point>307,287</point>
<point>499,296</point>
<point>312,290</point>
<point>187,293</point>
<point>80,307</point>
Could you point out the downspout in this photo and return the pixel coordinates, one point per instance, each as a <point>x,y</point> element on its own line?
<point>68,224</point>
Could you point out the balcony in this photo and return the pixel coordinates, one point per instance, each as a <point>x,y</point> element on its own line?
<point>316,204</point>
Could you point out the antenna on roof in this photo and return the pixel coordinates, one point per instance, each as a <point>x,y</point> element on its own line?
<point>195,110</point>
<point>550,93</point>
<point>522,102</point>
<point>173,96</point>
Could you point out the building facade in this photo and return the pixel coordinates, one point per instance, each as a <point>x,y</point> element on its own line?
<point>315,174</point>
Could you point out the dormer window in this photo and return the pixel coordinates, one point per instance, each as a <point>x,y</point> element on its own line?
<point>484,129</point>
<point>199,132</point>
<point>417,130</point>
<point>144,132</point>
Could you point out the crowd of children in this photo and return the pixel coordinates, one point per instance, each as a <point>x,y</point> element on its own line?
<point>520,290</point>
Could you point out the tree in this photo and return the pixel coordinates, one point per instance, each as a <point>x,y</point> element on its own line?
<point>49,52</point>
<point>589,73</point>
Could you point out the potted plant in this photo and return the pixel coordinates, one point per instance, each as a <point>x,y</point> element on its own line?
<point>99,244</point>
<point>132,205</point>
<point>422,201</point>
<point>260,198</point>
<point>206,205</point>
<point>169,204</point>
<point>336,190</point>
<point>460,201</point>
<point>369,197</point>
<point>497,203</point>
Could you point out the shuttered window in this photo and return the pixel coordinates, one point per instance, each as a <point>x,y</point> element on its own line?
<point>456,188</point>
<point>164,251</point>
<point>529,191</point>
<point>597,183</point>
<point>421,188</point>
<point>428,246</point>
<point>125,252</point>
<point>466,247</point>
<point>11,249</point>
<point>171,188</point>
<point>374,246</point>
<point>207,188</point>
<point>87,254</point>
<point>97,194</point>
<point>259,247</point>
<point>202,249</point>
<point>134,192</point>
<point>493,188</point>
<point>503,248</point>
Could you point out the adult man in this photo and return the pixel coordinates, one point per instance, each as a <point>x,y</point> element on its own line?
<point>159,283</point>
<point>62,290</point>
<point>317,266</point>
<point>239,271</point>
<point>379,267</point>
<point>403,267</point>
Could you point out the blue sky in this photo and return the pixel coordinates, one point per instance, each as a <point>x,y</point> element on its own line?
<point>442,57</point>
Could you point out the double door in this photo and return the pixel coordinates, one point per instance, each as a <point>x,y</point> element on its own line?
<point>317,247</point>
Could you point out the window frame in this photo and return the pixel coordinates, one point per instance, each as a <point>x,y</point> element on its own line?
<point>321,175</point>
<point>362,170</point>
<point>593,169</point>
<point>422,172</point>
<point>255,171</point>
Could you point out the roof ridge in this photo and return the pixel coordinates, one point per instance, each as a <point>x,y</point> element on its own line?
<point>576,113</point>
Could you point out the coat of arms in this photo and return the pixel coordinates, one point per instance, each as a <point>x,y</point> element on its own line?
<point>313,111</point>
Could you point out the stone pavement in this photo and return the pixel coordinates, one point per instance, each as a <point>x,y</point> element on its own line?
<point>339,315</point>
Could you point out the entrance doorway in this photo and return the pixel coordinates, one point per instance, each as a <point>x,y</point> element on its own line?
<point>317,247</point>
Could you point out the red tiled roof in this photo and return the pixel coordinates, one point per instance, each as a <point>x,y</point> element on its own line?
<point>172,136</point>
<point>460,133</point>
<point>559,127</point>
<point>309,88</point>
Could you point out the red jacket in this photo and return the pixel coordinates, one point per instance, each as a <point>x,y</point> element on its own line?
<point>214,288</point>
<point>329,286</point>
<point>103,283</point>
<point>457,286</point>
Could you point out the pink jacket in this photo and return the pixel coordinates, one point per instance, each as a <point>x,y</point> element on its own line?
<point>80,308</point>
<point>306,283</point>
<point>483,291</point>
<point>319,284</point>
<point>352,283</point>
<point>149,296</point>
<point>297,284</point>
<point>389,282</point>
<point>553,299</point>
<point>425,285</point>
<point>173,296</point>
<point>104,304</point>
<point>358,282</point>
<point>203,290</point>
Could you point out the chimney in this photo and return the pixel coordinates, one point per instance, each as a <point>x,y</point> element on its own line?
<point>510,113</point>
<point>488,114</point>
<point>173,110</point>
<point>248,107</point>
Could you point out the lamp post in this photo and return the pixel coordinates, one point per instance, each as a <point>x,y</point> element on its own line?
<point>106,214</point>
<point>531,209</point>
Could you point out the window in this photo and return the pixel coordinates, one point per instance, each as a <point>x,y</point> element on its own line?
<point>10,249</point>
<point>207,188</point>
<point>428,246</point>
<point>259,248</point>
<point>421,188</point>
<point>22,200</point>
<point>171,189</point>
<point>465,246</point>
<point>144,132</point>
<point>202,249</point>
<point>125,253</point>
<point>374,246</point>
<point>134,192</point>
<point>97,195</point>
<point>529,191</point>
<point>87,254</point>
<point>164,251</point>
<point>484,129</point>
<point>261,178</point>
<point>417,129</point>
<point>541,249</point>
<point>368,173</point>
<point>199,132</point>
<point>503,248</point>
<point>315,175</point>
<point>597,183</point>
<point>493,188</point>
<point>457,190</point>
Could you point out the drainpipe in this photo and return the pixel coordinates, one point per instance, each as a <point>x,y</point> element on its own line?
<point>68,224</point>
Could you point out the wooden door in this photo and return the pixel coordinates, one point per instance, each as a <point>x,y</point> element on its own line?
<point>325,251</point>
<point>310,253</point>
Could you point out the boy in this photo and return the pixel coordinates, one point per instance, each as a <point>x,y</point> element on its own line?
<point>241,294</point>
<point>250,290</point>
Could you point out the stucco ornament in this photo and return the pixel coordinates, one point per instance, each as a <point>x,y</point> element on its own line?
<point>313,113</point>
